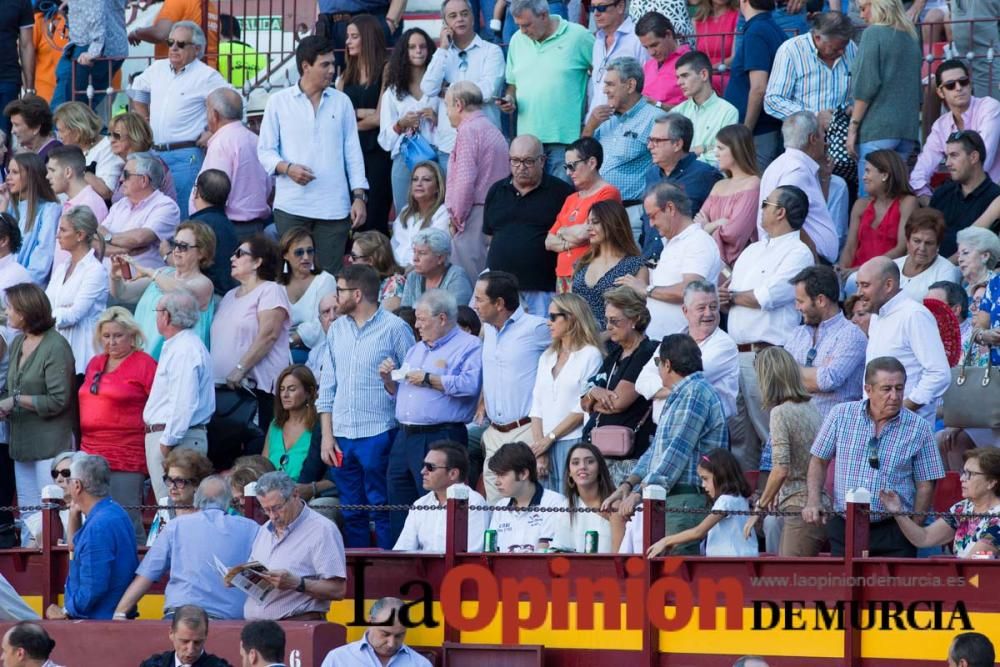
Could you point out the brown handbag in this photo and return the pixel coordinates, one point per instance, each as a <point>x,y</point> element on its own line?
<point>972,399</point>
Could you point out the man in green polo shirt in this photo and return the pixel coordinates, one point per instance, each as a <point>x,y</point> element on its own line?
<point>548,65</point>
<point>708,112</point>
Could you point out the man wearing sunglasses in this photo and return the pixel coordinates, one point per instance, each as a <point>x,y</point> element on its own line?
<point>879,444</point>
<point>965,112</point>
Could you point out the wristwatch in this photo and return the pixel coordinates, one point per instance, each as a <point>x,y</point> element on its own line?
<point>360,194</point>
<point>301,588</point>
<point>427,380</point>
<point>551,435</point>
<point>649,289</point>
<point>107,238</point>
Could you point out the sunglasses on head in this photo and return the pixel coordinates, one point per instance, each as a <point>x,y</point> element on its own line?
<point>56,474</point>
<point>960,82</point>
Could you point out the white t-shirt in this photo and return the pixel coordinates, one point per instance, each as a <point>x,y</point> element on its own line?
<point>691,251</point>
<point>572,533</point>
<point>424,530</point>
<point>726,537</point>
<point>523,530</point>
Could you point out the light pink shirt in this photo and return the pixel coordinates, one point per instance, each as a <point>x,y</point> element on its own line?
<point>157,212</point>
<point>479,159</point>
<point>88,197</point>
<point>983,116</point>
<point>235,327</point>
<point>233,149</point>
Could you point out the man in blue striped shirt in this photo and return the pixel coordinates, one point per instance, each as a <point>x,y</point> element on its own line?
<point>356,410</point>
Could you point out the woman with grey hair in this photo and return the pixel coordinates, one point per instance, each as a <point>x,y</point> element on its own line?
<point>978,254</point>
<point>432,269</point>
<point>78,290</point>
<point>60,477</point>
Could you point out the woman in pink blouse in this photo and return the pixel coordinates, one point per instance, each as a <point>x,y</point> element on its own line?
<point>250,330</point>
<point>715,27</point>
<point>730,212</point>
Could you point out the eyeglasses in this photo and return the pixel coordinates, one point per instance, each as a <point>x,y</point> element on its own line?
<point>96,383</point>
<point>656,141</point>
<point>616,321</point>
<point>56,474</point>
<point>181,246</point>
<point>873,453</point>
<point>960,82</point>
<point>126,174</point>
<point>525,162</point>
<point>764,204</point>
<point>346,289</point>
<point>600,9</point>
<point>240,252</point>
<point>810,357</point>
<point>180,44</point>
<point>302,252</point>
<point>570,167</point>
<point>179,482</point>
<point>463,61</point>
<point>966,473</point>
<point>555,316</point>
<point>271,511</point>
<point>430,467</point>
<point>355,257</point>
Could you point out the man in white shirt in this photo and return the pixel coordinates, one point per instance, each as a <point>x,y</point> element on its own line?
<point>171,94</point>
<point>905,330</point>
<point>517,481</point>
<point>462,55</point>
<point>65,169</point>
<point>761,303</point>
<point>309,140</point>
<point>182,399</point>
<point>446,464</point>
<point>615,38</point>
<point>805,148</point>
<point>688,254</point>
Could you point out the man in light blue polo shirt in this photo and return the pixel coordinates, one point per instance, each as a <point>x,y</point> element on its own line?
<point>548,66</point>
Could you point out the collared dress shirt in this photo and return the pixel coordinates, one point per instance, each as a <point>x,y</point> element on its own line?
<point>906,330</point>
<point>837,348</point>
<point>480,159</point>
<point>351,389</point>
<point>765,267</point>
<point>555,398</point>
<point>88,197</point>
<point>960,210</point>
<point>510,357</point>
<point>104,558</point>
<point>325,140</point>
<point>233,150</point>
<point>176,98</point>
<point>624,44</point>
<point>708,119</point>
<point>157,213</point>
<point>905,447</point>
<point>186,550</point>
<point>481,62</point>
<point>692,251</point>
<point>626,156</point>
<point>793,167</point>
<point>983,116</point>
<point>183,392</point>
<point>457,358</point>
<point>38,246</point>
<point>425,530</point>
<point>361,654</point>
<point>801,81</point>
<point>77,303</point>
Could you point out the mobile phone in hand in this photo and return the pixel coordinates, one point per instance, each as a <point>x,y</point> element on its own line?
<point>126,268</point>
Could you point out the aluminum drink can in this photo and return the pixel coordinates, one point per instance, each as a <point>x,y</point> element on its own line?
<point>490,541</point>
<point>590,542</point>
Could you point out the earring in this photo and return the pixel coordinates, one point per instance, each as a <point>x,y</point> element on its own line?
<point>286,269</point>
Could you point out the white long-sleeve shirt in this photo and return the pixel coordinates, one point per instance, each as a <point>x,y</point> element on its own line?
<point>906,330</point>
<point>425,530</point>
<point>77,302</point>
<point>441,134</point>
<point>325,140</point>
<point>555,398</point>
<point>483,64</point>
<point>183,393</point>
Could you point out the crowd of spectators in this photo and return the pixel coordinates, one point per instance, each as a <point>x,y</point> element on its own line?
<point>686,260</point>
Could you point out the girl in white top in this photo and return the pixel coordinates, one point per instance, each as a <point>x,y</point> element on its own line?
<point>588,483</point>
<point>305,285</point>
<point>725,484</point>
<point>573,357</point>
<point>405,110</point>
<point>424,208</point>
<point>78,290</point>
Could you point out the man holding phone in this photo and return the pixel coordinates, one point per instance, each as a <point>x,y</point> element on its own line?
<point>465,56</point>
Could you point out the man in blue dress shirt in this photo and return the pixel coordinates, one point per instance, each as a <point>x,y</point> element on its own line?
<point>382,643</point>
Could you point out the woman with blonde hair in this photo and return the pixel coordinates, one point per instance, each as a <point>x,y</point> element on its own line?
<point>885,85</point>
<point>372,248</point>
<point>795,421</point>
<point>729,213</point>
<point>130,133</point>
<point>78,125</point>
<point>115,387</point>
<point>575,354</point>
<point>424,208</point>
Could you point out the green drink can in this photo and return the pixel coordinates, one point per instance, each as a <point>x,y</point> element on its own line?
<point>490,541</point>
<point>590,542</point>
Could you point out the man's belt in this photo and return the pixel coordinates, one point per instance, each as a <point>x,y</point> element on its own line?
<point>429,428</point>
<point>628,203</point>
<point>175,146</point>
<point>685,489</point>
<point>157,428</point>
<point>340,17</point>
<point>754,347</point>
<point>507,428</point>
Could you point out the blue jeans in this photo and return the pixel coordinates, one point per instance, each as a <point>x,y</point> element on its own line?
<point>69,88</point>
<point>509,27</point>
<point>903,147</point>
<point>361,480</point>
<point>9,91</point>
<point>184,164</point>
<point>555,158</point>
<point>536,302</point>
<point>400,182</point>
<point>558,470</point>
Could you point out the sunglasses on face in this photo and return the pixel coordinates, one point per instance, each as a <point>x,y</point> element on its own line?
<point>600,9</point>
<point>570,167</point>
<point>430,467</point>
<point>355,257</point>
<point>180,44</point>
<point>56,474</point>
<point>181,246</point>
<point>240,252</point>
<point>960,82</point>
<point>873,454</point>
<point>553,317</point>
<point>302,252</point>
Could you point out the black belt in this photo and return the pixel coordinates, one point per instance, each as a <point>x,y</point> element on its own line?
<point>339,17</point>
<point>685,489</point>
<point>631,202</point>
<point>429,428</point>
<point>175,146</point>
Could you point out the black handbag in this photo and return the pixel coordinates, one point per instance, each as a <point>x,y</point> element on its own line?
<point>232,426</point>
<point>836,145</point>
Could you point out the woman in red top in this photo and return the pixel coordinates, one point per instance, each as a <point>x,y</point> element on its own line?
<point>715,28</point>
<point>569,236</point>
<point>878,221</point>
<point>112,397</point>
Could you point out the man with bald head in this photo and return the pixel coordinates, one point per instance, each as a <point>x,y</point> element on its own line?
<point>518,214</point>
<point>383,642</point>
<point>233,149</point>
<point>904,329</point>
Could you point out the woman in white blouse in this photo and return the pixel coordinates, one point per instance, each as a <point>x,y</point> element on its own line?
<point>305,285</point>
<point>405,110</point>
<point>78,290</point>
<point>424,208</point>
<point>574,356</point>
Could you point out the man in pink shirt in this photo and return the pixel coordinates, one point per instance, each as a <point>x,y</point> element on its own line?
<point>966,112</point>
<point>144,216</point>
<point>478,160</point>
<point>233,150</point>
<point>65,171</point>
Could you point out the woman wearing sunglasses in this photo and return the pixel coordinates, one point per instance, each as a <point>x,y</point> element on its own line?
<point>112,396</point>
<point>130,133</point>
<point>192,250</point>
<point>70,517</point>
<point>305,284</point>
<point>183,470</point>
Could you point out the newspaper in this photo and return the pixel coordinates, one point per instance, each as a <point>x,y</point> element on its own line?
<point>246,577</point>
